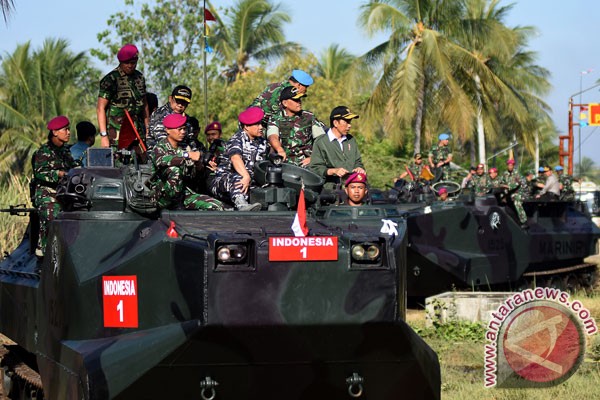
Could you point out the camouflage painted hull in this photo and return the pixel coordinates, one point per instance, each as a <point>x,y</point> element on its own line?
<point>260,328</point>
<point>480,245</point>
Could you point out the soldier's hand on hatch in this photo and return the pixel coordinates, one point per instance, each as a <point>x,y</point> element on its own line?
<point>104,142</point>
<point>282,154</point>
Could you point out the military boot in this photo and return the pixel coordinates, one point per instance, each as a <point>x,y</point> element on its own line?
<point>242,204</point>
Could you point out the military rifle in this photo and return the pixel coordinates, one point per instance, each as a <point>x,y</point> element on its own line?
<point>19,210</point>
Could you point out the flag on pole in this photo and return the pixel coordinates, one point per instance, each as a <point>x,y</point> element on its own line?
<point>208,15</point>
<point>299,225</point>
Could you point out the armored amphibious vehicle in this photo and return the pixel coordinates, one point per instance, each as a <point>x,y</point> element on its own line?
<point>130,302</point>
<point>477,243</point>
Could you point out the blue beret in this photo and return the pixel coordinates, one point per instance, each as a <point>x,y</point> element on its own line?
<point>558,168</point>
<point>541,169</point>
<point>443,136</point>
<point>302,77</point>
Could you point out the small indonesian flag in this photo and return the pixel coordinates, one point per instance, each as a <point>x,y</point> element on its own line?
<point>299,225</point>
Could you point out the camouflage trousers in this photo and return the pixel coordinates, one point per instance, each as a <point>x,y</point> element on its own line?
<point>225,187</point>
<point>171,193</point>
<point>48,209</point>
<point>517,199</point>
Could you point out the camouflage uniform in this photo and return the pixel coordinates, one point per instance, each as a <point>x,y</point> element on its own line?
<point>567,192</point>
<point>510,177</point>
<point>296,133</point>
<point>223,186</point>
<point>157,131</point>
<point>521,191</point>
<point>47,162</point>
<point>493,183</point>
<point>171,170</point>
<point>123,92</point>
<point>479,184</point>
<point>440,153</point>
<point>268,100</point>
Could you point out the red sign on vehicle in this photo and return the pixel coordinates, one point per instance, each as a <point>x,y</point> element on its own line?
<point>309,248</point>
<point>120,301</point>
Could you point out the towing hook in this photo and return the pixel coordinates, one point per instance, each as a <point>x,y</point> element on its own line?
<point>355,387</point>
<point>208,386</point>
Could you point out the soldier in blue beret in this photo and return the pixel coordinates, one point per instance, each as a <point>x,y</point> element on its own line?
<point>440,155</point>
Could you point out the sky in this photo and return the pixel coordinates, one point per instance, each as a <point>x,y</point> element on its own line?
<point>565,40</point>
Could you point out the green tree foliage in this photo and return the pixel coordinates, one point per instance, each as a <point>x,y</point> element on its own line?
<point>253,30</point>
<point>6,6</point>
<point>35,87</point>
<point>168,35</point>
<point>433,77</point>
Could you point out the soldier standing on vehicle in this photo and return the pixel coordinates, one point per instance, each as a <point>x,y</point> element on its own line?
<point>336,154</point>
<point>124,88</point>
<point>175,169</point>
<point>234,177</point>
<point>178,102</point>
<point>467,179</point>
<point>567,192</point>
<point>292,130</point>
<point>51,162</point>
<point>356,189</point>
<point>440,156</point>
<point>269,101</point>
<point>510,175</point>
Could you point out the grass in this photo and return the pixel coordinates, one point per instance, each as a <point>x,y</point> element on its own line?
<point>12,227</point>
<point>461,360</point>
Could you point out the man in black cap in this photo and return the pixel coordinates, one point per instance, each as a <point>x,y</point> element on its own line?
<point>179,100</point>
<point>292,131</point>
<point>336,154</point>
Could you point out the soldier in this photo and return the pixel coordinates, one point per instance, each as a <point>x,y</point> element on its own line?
<point>443,194</point>
<point>269,101</point>
<point>292,131</point>
<point>479,182</point>
<point>356,189</point>
<point>414,169</point>
<point>124,88</point>
<point>178,102</point>
<point>567,193</point>
<point>510,175</point>
<point>86,137</point>
<point>235,173</point>
<point>336,154</point>
<point>440,155</point>
<point>51,162</point>
<point>172,167</point>
<point>494,182</point>
<point>520,190</point>
<point>551,188</point>
<point>467,179</point>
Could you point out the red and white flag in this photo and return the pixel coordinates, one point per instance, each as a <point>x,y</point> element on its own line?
<point>299,225</point>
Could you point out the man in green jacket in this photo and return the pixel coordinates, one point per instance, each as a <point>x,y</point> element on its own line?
<point>336,154</point>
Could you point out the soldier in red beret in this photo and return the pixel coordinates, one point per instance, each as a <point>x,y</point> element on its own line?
<point>175,170</point>
<point>124,88</point>
<point>356,189</point>
<point>50,164</point>
<point>443,194</point>
<point>235,173</point>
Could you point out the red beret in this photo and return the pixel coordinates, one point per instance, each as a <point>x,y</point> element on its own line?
<point>356,177</point>
<point>57,123</point>
<point>127,52</point>
<point>213,126</point>
<point>251,116</point>
<point>173,121</point>
<point>480,166</point>
<point>511,161</point>
<point>442,190</point>
<point>493,169</point>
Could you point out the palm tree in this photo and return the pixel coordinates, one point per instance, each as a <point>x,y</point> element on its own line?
<point>254,32</point>
<point>34,87</point>
<point>6,6</point>
<point>334,62</point>
<point>428,73</point>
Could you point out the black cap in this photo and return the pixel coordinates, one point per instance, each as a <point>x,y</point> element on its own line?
<point>182,93</point>
<point>290,92</point>
<point>342,112</point>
